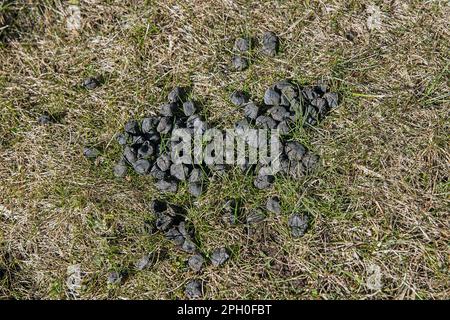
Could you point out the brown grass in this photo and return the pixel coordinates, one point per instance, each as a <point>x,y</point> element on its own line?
<point>381,201</point>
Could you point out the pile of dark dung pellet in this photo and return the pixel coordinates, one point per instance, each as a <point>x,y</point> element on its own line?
<point>147,145</point>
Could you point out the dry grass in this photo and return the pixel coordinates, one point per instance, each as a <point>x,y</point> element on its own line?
<point>381,201</point>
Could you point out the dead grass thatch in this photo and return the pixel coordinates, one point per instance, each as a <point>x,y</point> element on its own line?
<point>380,205</point>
